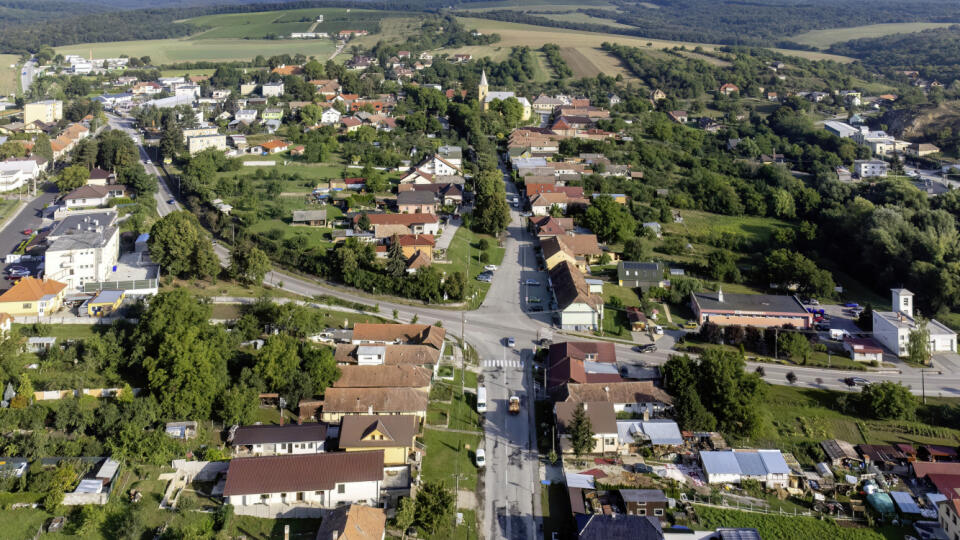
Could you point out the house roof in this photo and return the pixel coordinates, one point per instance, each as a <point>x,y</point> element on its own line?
<point>569,286</point>
<point>618,527</point>
<point>397,376</point>
<point>304,472</point>
<point>99,174</point>
<point>581,244</point>
<point>399,219</point>
<point>659,432</point>
<point>863,345</point>
<point>398,428</point>
<point>416,197</point>
<point>838,449</point>
<point>309,215</point>
<point>415,240</point>
<point>266,434</point>
<point>602,417</point>
<point>274,144</point>
<point>754,303</point>
<point>642,271</point>
<point>567,361</point>
<point>424,334</point>
<point>354,522</point>
<point>618,392</point>
<point>90,192</point>
<point>881,452</point>
<point>31,289</point>
<point>381,400</point>
<point>419,260</point>
<point>415,355</point>
<point>924,468</point>
<point>643,495</point>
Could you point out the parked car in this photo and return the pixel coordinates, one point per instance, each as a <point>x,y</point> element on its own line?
<point>649,347</point>
<point>481,458</point>
<point>28,232</point>
<point>511,342</point>
<point>490,268</point>
<point>856,381</point>
<point>813,302</point>
<point>532,283</point>
<point>690,325</point>
<point>658,330</point>
<point>171,200</point>
<point>851,305</point>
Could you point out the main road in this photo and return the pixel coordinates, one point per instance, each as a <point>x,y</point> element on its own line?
<point>27,74</point>
<point>510,506</point>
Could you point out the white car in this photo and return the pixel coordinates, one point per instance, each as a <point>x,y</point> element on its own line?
<point>481,458</point>
<point>658,330</point>
<point>490,268</point>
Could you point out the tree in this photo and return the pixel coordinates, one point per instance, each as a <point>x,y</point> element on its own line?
<point>612,222</point>
<point>364,222</point>
<point>249,263</point>
<point>635,249</point>
<point>42,147</point>
<point>581,432</point>
<point>406,514</point>
<point>238,405</point>
<point>72,177</point>
<point>62,480</point>
<point>722,266</point>
<point>491,214</point>
<point>918,343</point>
<point>690,412</point>
<point>396,261</point>
<point>888,400</point>
<point>277,362</point>
<point>179,245</point>
<point>455,286</point>
<point>435,504</point>
<point>791,377</point>
<point>794,344</point>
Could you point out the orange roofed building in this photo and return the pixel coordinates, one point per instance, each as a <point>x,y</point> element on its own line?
<point>33,297</point>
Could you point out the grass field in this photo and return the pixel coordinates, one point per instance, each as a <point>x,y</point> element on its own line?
<point>583,18</point>
<point>586,44</point>
<point>700,224</point>
<point>169,51</point>
<point>538,5</point>
<point>185,72</point>
<point>9,74</point>
<point>825,38</point>
<point>448,455</point>
<point>260,24</point>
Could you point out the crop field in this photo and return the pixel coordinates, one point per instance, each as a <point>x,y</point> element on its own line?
<point>587,44</point>
<point>169,51</point>
<point>260,24</point>
<point>590,62</point>
<point>825,38</point>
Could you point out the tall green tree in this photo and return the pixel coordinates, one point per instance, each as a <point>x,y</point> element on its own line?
<point>918,343</point>
<point>396,262</point>
<point>435,505</point>
<point>690,412</point>
<point>888,400</point>
<point>249,263</point>
<point>179,245</point>
<point>609,220</point>
<point>581,432</point>
<point>277,362</point>
<point>72,177</point>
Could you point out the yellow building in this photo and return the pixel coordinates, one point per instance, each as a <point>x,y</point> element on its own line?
<point>49,111</point>
<point>33,297</point>
<point>485,97</point>
<point>105,303</point>
<point>393,434</point>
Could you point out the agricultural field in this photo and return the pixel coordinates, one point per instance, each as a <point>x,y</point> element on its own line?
<point>259,25</point>
<point>170,51</point>
<point>573,16</point>
<point>9,74</point>
<point>538,5</point>
<point>588,57</point>
<point>825,38</point>
<point>590,62</point>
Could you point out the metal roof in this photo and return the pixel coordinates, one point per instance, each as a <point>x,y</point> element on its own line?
<point>773,461</point>
<point>583,481</point>
<point>720,462</point>
<point>662,432</point>
<point>751,464</point>
<point>905,502</point>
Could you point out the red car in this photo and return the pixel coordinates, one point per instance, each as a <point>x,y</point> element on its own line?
<point>28,232</point>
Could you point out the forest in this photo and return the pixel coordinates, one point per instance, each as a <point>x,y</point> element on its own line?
<point>934,53</point>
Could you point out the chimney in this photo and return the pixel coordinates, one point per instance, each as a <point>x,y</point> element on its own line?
<point>281,417</point>
<point>646,414</point>
<point>370,409</point>
<point>720,295</point>
<point>299,420</point>
<point>358,403</point>
<point>585,405</point>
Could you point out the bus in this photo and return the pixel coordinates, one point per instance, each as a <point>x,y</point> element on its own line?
<point>481,399</point>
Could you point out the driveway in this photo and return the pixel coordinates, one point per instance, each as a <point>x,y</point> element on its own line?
<point>449,230</point>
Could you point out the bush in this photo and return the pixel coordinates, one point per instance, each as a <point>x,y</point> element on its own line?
<point>483,244</point>
<point>484,257</point>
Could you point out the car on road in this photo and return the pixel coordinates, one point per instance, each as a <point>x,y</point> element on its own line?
<point>28,232</point>
<point>485,277</point>
<point>649,347</point>
<point>532,283</point>
<point>171,201</point>
<point>511,342</point>
<point>149,162</point>
<point>851,305</point>
<point>481,458</point>
<point>18,271</point>
<point>526,214</point>
<point>813,302</point>
<point>490,268</point>
<point>856,381</point>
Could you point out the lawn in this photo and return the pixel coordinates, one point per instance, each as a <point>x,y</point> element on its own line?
<point>448,455</point>
<point>461,411</point>
<point>627,296</point>
<point>698,225</point>
<point>64,331</point>
<point>773,527</point>
<point>259,528</point>
<point>573,16</point>
<point>464,256</point>
<point>260,24</point>
<point>9,74</point>
<point>224,287</point>
<point>800,418</point>
<point>827,37</point>
<point>186,72</point>
<point>170,51</point>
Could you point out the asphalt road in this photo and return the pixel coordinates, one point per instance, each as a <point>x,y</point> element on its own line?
<point>29,217</point>
<point>27,74</point>
<point>164,193</point>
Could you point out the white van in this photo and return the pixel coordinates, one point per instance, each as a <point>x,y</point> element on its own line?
<point>481,399</point>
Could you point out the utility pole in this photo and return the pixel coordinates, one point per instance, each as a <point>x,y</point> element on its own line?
<point>923,385</point>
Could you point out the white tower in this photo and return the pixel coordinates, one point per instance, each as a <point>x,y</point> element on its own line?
<point>902,302</point>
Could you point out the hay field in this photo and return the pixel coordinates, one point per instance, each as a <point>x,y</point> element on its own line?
<point>169,51</point>
<point>825,38</point>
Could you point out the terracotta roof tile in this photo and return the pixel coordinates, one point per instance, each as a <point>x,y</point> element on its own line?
<point>382,400</point>
<point>399,430</point>
<point>31,289</point>
<point>395,376</point>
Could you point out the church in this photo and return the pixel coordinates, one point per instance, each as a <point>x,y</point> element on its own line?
<point>486,97</point>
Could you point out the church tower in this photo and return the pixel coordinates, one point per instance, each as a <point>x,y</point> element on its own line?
<point>483,88</point>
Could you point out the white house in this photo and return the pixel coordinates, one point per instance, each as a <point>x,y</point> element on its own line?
<point>733,466</point>
<point>578,308</point>
<point>892,328</point>
<point>90,196</point>
<point>267,440</point>
<point>273,89</point>
<point>870,168</point>
<point>603,420</point>
<point>83,248</point>
<point>199,143</point>
<point>246,116</point>
<point>323,480</point>
<point>330,117</point>
<point>14,173</point>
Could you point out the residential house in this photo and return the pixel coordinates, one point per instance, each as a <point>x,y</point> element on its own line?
<point>350,123</point>
<point>353,522</point>
<point>840,129</point>
<point>840,453</point>
<point>546,226</point>
<point>639,397</point>
<point>922,149</point>
<point>100,177</point>
<point>105,303</point>
<point>446,194</point>
<point>149,88</point>
<point>406,334</point>
<point>269,440</point>
<point>341,402</point>
<point>582,250</point>
<point>393,434</point>
<point>247,116</point>
<point>312,218</point>
<point>323,480</point>
<point>387,355</point>
<point>679,117</point>
<point>577,307</point>
<point>48,111</point>
<point>423,223</point>
<point>328,88</point>
<point>729,88</point>
<point>602,526</point>
<point>862,349</point>
<point>656,433</point>
<point>199,143</point>
<point>417,202</point>
<point>892,328</point>
<point>733,466</point>
<point>275,146</point>
<point>16,172</point>
<point>272,114</point>
<point>948,514</point>
<point>657,95</point>
<point>272,89</point>
<point>90,196</point>
<point>581,362</point>
<point>32,297</point>
<point>542,203</point>
<point>645,275</point>
<point>383,375</point>
<point>82,249</point>
<point>871,168</point>
<point>603,420</point>
<point>411,244</point>
<point>760,310</point>
<point>330,117</point>
<point>645,502</point>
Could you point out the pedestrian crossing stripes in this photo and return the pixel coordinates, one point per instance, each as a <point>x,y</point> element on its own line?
<point>503,363</point>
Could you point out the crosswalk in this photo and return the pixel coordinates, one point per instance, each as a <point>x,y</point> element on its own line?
<point>503,363</point>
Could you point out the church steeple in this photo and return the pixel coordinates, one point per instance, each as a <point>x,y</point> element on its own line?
<point>483,87</point>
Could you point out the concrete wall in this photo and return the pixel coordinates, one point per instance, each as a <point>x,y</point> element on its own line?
<point>353,492</point>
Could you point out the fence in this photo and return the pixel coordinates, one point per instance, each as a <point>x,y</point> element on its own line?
<point>128,285</point>
<point>760,509</point>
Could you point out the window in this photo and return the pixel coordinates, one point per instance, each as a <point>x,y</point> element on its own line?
<point>341,488</point>
<point>658,511</point>
<point>641,511</point>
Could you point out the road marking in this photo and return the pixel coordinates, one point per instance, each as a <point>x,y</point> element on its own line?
<point>503,363</point>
